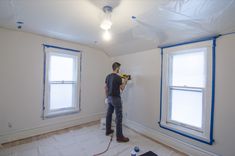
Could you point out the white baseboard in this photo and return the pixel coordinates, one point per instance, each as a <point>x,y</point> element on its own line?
<point>20,134</point>
<point>168,140</point>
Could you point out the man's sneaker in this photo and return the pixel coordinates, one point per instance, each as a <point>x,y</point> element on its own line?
<point>109,132</point>
<point>122,139</point>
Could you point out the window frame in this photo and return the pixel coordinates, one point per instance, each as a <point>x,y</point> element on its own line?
<point>50,51</point>
<point>204,134</point>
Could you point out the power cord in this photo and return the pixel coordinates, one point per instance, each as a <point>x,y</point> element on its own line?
<point>111,138</point>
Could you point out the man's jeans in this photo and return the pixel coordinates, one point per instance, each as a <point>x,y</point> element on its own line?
<point>114,103</point>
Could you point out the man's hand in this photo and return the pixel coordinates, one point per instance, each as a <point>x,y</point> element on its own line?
<point>126,79</point>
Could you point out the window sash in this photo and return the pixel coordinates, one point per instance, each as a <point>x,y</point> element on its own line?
<point>64,55</point>
<point>189,89</point>
<point>74,99</point>
<point>182,52</point>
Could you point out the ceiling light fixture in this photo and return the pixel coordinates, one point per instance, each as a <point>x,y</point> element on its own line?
<point>107,23</point>
<point>107,36</point>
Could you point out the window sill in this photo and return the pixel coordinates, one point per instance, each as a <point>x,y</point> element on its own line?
<point>61,113</point>
<point>199,136</point>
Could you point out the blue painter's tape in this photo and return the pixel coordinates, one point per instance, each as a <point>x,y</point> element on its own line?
<point>228,34</point>
<point>133,17</point>
<point>211,140</point>
<point>19,22</point>
<point>213,89</point>
<point>44,81</point>
<point>161,85</point>
<point>52,46</point>
<point>183,134</point>
<point>189,42</point>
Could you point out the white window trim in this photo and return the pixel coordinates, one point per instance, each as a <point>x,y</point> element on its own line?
<point>52,50</point>
<point>198,134</point>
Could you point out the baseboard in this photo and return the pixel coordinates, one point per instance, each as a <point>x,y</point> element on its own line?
<point>20,134</point>
<point>168,140</point>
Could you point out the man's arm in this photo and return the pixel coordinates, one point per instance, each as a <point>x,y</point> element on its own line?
<point>106,86</point>
<point>123,85</point>
<point>106,90</point>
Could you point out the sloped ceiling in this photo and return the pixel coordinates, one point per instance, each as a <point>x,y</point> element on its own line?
<point>158,22</point>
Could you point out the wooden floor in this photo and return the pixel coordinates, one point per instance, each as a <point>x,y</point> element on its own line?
<point>84,140</point>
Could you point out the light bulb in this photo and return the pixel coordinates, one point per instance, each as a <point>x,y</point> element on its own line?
<point>106,24</point>
<point>107,35</point>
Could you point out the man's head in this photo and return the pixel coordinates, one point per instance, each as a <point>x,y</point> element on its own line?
<point>116,67</point>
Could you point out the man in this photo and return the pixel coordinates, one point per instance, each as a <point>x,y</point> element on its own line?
<point>113,86</point>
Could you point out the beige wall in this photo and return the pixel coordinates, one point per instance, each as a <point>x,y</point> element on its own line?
<point>142,96</point>
<point>21,82</point>
<point>21,85</point>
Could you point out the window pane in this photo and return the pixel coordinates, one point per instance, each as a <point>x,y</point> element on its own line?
<point>188,69</point>
<point>61,96</point>
<point>187,107</point>
<point>61,68</point>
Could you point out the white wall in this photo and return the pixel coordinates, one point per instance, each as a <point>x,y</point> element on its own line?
<point>21,82</point>
<point>142,96</point>
<point>21,85</point>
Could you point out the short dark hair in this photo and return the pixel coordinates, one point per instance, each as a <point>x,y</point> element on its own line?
<point>116,65</point>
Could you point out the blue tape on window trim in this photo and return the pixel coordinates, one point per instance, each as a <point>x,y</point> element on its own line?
<point>80,86</point>
<point>189,42</point>
<point>62,48</point>
<point>161,87</point>
<point>213,87</point>
<point>44,82</point>
<point>183,134</point>
<point>228,34</point>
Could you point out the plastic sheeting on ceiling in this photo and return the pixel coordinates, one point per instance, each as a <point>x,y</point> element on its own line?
<point>174,21</point>
<point>180,20</point>
<point>158,22</point>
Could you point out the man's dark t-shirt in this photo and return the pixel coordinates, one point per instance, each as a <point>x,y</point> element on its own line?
<point>113,82</point>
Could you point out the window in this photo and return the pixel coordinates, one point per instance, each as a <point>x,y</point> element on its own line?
<point>187,90</point>
<point>61,82</point>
